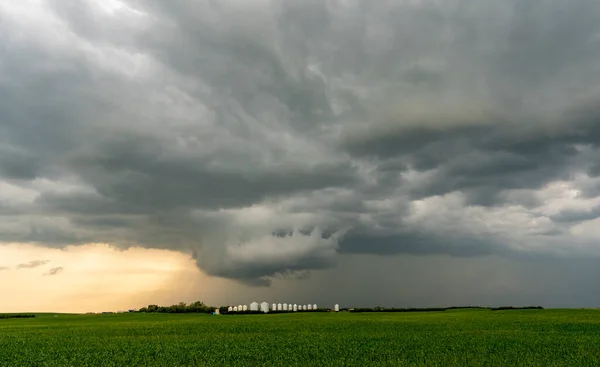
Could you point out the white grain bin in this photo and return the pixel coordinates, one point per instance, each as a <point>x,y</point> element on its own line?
<point>254,306</point>
<point>217,311</point>
<point>230,309</point>
<point>274,307</point>
<point>244,308</point>
<point>279,307</point>
<point>235,309</point>
<point>315,307</point>
<point>336,308</point>
<point>295,307</point>
<point>240,308</point>
<point>309,307</point>
<point>264,307</point>
<point>285,308</point>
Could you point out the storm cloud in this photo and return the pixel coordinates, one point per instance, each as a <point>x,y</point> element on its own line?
<point>269,138</point>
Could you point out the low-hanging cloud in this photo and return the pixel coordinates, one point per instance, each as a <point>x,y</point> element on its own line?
<point>267,139</point>
<point>33,264</point>
<point>54,271</point>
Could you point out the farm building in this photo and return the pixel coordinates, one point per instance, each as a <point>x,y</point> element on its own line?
<point>315,306</point>
<point>244,308</point>
<point>279,307</point>
<point>264,307</point>
<point>230,309</point>
<point>254,306</point>
<point>295,307</point>
<point>285,307</point>
<point>235,309</point>
<point>336,308</point>
<point>309,307</point>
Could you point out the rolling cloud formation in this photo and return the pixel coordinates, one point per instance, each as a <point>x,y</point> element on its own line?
<point>267,138</point>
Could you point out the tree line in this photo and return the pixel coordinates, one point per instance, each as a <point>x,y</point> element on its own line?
<point>181,307</point>
<point>15,316</point>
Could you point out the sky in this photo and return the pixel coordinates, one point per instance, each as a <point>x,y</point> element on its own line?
<point>407,153</point>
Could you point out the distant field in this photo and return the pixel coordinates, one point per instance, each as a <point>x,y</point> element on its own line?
<point>451,338</point>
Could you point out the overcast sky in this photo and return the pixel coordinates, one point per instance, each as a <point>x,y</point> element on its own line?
<point>406,153</point>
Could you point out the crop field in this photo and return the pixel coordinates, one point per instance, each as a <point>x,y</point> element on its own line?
<point>451,338</point>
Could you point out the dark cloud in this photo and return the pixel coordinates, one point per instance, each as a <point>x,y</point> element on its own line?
<point>419,243</point>
<point>190,182</point>
<point>267,138</point>
<point>486,159</point>
<point>17,164</point>
<point>54,271</point>
<point>33,264</point>
<point>576,216</point>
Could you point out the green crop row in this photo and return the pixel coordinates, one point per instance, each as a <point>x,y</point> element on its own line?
<point>451,338</point>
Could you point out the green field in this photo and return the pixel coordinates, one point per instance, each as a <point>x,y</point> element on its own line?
<point>451,338</point>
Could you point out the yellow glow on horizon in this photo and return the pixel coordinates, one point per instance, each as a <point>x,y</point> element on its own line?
<point>97,277</point>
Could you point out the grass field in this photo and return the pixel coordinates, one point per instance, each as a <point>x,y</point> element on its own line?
<point>451,338</point>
